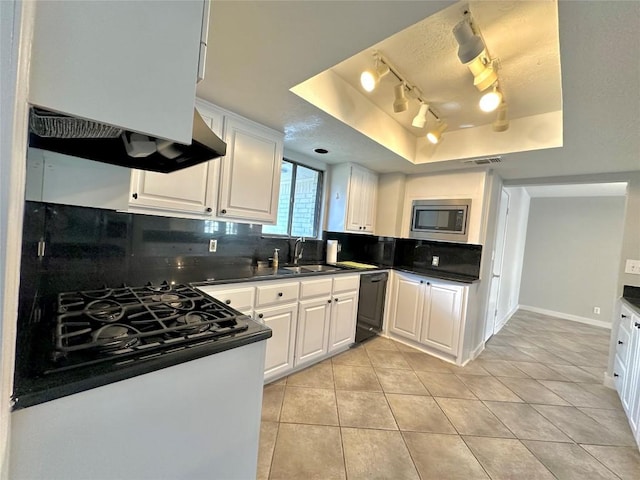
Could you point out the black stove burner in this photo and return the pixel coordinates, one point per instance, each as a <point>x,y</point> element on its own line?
<point>114,337</point>
<point>99,325</point>
<point>105,310</point>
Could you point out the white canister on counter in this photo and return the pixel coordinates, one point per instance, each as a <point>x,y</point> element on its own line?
<point>332,251</point>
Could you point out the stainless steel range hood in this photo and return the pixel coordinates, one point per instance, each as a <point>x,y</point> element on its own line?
<point>105,143</point>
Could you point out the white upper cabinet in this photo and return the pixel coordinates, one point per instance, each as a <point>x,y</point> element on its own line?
<point>191,190</point>
<point>250,172</point>
<point>129,64</point>
<point>353,197</point>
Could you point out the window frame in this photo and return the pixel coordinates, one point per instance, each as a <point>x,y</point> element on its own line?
<point>317,207</point>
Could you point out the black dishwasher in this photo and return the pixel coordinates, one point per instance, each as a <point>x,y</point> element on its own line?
<point>371,305</point>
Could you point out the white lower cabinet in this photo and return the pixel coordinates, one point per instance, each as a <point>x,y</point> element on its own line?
<point>626,370</point>
<point>343,320</point>
<point>309,318</point>
<point>441,316</point>
<point>313,330</point>
<point>428,312</point>
<point>281,346</point>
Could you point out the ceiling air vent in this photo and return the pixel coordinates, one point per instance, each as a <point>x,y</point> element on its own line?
<point>483,161</point>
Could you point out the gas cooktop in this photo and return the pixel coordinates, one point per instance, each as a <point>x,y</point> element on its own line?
<point>129,323</point>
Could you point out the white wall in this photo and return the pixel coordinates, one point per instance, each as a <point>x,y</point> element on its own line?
<point>572,255</point>
<point>516,233</point>
<point>16,22</point>
<point>444,186</point>
<point>390,204</point>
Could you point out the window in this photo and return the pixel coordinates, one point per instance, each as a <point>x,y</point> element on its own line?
<point>299,202</point>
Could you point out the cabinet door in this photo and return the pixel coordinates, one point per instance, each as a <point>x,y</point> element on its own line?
<point>281,346</point>
<point>632,385</point>
<point>187,190</point>
<point>354,204</point>
<point>369,199</point>
<point>250,172</point>
<point>130,64</point>
<point>406,307</point>
<point>441,317</point>
<point>343,320</point>
<point>313,329</point>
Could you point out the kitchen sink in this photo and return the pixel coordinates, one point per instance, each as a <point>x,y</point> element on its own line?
<point>312,268</point>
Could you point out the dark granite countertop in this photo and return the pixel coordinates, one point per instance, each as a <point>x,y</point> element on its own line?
<point>233,273</point>
<point>238,273</point>
<point>631,295</point>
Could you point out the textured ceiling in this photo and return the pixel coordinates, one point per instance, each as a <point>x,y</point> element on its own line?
<point>259,50</point>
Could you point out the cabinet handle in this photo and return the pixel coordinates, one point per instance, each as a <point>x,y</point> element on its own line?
<point>637,325</point>
<point>209,209</point>
<point>329,301</point>
<point>428,283</point>
<point>421,281</point>
<point>223,211</point>
<point>228,302</point>
<point>260,315</point>
<point>616,375</point>
<point>135,196</point>
<point>279,294</point>
<point>336,299</point>
<point>623,316</point>
<point>620,342</point>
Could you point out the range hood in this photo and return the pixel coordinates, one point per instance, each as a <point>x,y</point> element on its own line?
<point>105,143</point>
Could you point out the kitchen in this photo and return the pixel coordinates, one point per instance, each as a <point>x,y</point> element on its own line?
<point>580,116</point>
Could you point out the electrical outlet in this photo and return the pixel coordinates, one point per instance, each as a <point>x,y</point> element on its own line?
<point>435,261</point>
<point>596,310</point>
<point>213,246</point>
<point>632,266</point>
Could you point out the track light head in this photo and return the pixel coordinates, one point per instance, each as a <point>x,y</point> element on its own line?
<point>400,103</point>
<point>470,45</point>
<point>420,120</point>
<point>435,134</point>
<point>501,122</point>
<point>491,100</point>
<point>370,78</point>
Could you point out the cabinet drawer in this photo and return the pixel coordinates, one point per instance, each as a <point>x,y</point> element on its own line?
<point>622,347</point>
<point>238,298</point>
<point>315,288</point>
<point>345,283</point>
<point>626,320</point>
<point>276,294</point>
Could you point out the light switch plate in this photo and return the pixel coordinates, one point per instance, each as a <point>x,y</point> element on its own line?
<point>632,266</point>
<point>213,246</point>
<point>435,261</point>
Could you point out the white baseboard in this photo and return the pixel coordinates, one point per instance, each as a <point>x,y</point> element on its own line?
<point>608,381</point>
<point>507,317</point>
<point>567,316</point>
<point>474,354</point>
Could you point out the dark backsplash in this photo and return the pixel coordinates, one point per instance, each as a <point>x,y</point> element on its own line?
<point>457,259</point>
<point>88,248</point>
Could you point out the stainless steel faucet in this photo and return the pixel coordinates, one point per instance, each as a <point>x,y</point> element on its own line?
<point>297,255</point>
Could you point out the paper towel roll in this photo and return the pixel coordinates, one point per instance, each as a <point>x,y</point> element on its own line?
<point>332,251</point>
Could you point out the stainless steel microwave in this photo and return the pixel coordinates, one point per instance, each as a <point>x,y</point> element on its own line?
<point>440,219</point>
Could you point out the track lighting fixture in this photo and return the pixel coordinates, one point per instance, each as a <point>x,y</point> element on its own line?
<point>420,120</point>
<point>491,100</point>
<point>400,102</point>
<point>473,53</point>
<point>501,122</point>
<point>370,78</point>
<point>470,45</point>
<point>435,134</point>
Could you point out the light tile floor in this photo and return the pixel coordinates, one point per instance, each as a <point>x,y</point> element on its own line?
<point>532,406</point>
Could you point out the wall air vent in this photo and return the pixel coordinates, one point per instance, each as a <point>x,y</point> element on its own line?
<point>483,161</point>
